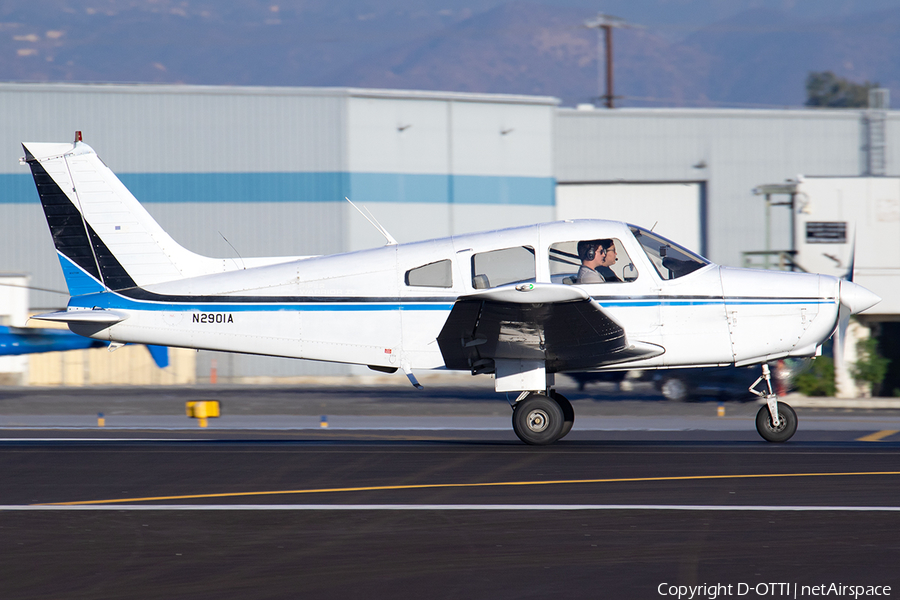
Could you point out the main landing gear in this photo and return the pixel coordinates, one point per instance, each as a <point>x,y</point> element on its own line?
<point>540,419</point>
<point>776,421</point>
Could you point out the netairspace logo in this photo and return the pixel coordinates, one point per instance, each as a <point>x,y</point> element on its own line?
<point>711,591</point>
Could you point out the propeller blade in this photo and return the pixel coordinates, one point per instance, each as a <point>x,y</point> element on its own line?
<point>849,275</point>
<point>840,337</point>
<point>854,299</point>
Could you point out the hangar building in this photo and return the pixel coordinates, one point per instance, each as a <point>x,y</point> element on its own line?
<point>254,171</point>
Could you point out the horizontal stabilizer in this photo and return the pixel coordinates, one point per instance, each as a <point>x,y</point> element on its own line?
<point>101,316</point>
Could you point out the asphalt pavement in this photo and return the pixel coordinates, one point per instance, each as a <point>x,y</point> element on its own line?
<point>328,490</point>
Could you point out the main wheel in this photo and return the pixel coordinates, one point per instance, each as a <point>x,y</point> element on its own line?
<point>787,424</point>
<point>538,420</point>
<point>568,413</point>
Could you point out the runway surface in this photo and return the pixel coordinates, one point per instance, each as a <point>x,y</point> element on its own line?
<point>616,512</point>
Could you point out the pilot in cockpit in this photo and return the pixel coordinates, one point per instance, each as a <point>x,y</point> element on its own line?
<point>597,256</point>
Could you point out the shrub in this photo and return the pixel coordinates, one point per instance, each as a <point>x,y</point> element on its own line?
<point>871,367</point>
<point>818,380</point>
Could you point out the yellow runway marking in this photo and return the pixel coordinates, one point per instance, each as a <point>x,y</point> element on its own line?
<point>878,435</point>
<point>426,486</point>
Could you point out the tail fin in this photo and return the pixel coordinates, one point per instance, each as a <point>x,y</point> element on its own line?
<point>104,237</point>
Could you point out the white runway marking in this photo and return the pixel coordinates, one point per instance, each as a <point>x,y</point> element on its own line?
<point>469,507</point>
<point>73,439</point>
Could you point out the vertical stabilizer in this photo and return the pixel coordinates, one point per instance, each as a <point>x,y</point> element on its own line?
<point>104,237</point>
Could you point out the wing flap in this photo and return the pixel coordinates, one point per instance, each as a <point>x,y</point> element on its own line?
<point>569,335</point>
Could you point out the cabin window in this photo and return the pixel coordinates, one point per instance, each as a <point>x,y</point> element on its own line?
<point>669,259</point>
<point>502,267</point>
<point>565,262</point>
<point>437,274</point>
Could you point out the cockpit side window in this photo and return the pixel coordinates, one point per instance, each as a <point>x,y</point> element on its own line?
<point>437,274</point>
<point>502,267</point>
<point>591,261</point>
<point>669,259</point>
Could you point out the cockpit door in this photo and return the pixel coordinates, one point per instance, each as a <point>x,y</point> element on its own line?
<point>623,288</point>
<point>693,324</point>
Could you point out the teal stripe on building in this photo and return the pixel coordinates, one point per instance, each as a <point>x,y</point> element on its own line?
<point>18,189</point>
<point>236,187</point>
<point>458,189</point>
<point>314,187</point>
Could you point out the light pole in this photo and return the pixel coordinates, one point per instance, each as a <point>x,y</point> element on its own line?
<point>604,24</point>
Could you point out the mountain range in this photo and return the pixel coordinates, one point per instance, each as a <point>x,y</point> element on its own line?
<point>675,53</point>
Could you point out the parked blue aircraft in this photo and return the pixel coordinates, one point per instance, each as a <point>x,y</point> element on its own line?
<point>27,340</point>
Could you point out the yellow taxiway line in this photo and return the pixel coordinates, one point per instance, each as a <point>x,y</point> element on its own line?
<point>878,435</point>
<point>424,486</point>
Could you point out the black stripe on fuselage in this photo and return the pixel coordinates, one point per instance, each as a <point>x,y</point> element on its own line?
<point>137,293</point>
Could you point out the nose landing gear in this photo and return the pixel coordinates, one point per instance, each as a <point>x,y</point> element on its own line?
<point>776,421</point>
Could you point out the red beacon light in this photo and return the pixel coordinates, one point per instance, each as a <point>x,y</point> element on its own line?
<point>77,136</point>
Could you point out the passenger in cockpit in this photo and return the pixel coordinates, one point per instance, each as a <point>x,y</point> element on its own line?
<point>596,258</point>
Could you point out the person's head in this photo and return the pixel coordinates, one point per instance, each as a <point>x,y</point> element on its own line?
<point>597,252</point>
<point>608,252</point>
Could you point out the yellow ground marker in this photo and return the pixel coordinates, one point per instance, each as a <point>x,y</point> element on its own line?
<point>202,410</point>
<point>878,435</point>
<point>424,486</point>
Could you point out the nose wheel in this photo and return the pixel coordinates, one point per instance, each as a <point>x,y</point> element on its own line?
<point>783,430</point>
<point>776,421</point>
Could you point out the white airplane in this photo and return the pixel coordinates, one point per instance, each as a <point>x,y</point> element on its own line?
<point>516,303</point>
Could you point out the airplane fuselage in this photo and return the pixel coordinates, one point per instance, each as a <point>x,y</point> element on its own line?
<point>362,308</point>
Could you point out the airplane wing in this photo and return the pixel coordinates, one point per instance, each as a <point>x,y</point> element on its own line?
<point>559,324</point>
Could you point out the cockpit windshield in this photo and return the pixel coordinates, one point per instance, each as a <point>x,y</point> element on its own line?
<point>670,260</point>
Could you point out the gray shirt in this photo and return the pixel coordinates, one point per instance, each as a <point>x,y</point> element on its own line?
<point>588,275</point>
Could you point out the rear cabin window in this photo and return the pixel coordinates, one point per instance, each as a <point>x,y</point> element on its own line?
<point>437,274</point>
<point>565,263</point>
<point>502,267</point>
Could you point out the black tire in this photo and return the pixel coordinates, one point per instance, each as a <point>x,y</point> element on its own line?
<point>568,413</point>
<point>674,389</point>
<point>786,428</point>
<point>538,420</point>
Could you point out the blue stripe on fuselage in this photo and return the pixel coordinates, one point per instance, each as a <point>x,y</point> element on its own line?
<point>112,300</point>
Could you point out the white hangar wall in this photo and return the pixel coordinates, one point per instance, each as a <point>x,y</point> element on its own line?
<point>431,165</point>
<point>268,169</point>
<point>729,151</point>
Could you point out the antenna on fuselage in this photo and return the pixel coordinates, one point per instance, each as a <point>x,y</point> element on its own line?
<point>371,219</point>
<point>235,250</point>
